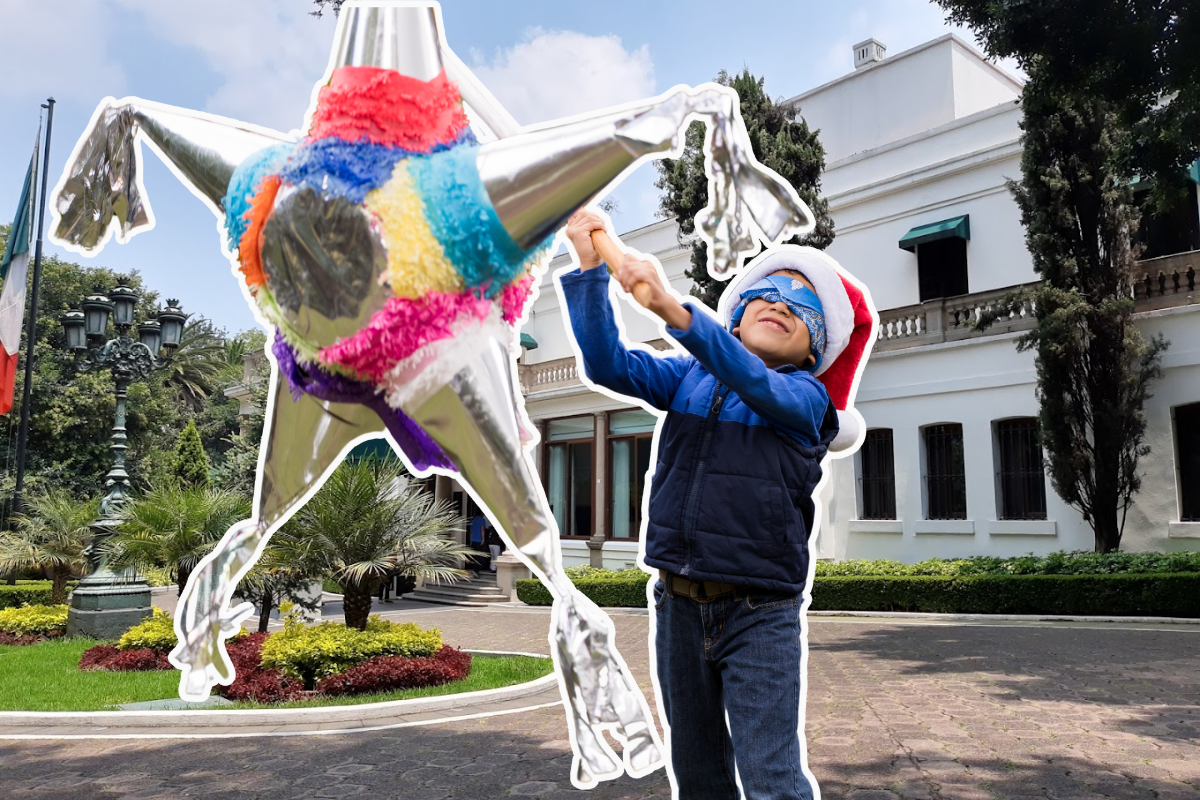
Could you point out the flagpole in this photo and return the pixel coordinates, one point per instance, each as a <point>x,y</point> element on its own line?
<point>31,328</point>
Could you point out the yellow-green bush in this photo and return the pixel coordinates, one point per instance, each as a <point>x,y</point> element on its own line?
<point>37,620</point>
<point>157,632</point>
<point>312,653</point>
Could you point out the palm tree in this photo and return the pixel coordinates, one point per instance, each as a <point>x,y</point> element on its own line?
<point>198,361</point>
<point>367,523</point>
<point>52,536</point>
<point>173,527</point>
<point>279,574</point>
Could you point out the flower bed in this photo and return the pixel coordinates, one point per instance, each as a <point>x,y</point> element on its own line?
<point>32,624</point>
<point>301,662</point>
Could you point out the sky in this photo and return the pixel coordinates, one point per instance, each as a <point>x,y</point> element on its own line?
<point>257,61</point>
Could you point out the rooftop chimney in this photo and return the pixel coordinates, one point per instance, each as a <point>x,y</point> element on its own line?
<point>869,52</point>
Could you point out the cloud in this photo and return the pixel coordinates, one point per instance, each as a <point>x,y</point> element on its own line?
<point>268,52</point>
<point>556,74</point>
<point>44,43</point>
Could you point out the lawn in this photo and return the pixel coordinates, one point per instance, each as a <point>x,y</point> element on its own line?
<point>46,677</point>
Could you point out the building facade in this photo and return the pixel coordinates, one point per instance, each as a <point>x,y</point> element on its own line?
<point>919,149</point>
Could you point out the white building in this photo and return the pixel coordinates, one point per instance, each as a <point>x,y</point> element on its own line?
<point>919,146</point>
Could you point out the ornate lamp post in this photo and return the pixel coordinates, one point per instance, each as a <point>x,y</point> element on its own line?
<point>105,603</point>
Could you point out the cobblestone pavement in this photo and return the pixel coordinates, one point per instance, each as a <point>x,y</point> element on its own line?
<point>895,710</point>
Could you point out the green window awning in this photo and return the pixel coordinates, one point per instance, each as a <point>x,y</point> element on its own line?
<point>924,234</point>
<point>528,342</point>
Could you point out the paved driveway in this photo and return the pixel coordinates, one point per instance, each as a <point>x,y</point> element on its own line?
<point>895,710</point>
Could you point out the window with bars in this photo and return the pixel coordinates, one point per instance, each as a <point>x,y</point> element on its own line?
<point>1020,477</point>
<point>877,468</point>
<point>945,474</point>
<point>569,474</point>
<point>1187,459</point>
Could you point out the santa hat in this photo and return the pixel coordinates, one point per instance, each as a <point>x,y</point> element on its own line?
<point>850,323</point>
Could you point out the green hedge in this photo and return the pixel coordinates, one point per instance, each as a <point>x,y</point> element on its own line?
<point>606,592</point>
<point>1057,563</point>
<point>1164,595</point>
<point>25,594</point>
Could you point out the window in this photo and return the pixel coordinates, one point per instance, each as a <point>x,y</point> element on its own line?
<point>569,474</point>
<point>1187,457</point>
<point>945,475</point>
<point>878,470</point>
<point>942,268</point>
<point>1021,479</point>
<point>1176,231</point>
<point>630,435</point>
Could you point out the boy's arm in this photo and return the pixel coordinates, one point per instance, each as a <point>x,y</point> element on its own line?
<point>606,360</point>
<point>794,402</point>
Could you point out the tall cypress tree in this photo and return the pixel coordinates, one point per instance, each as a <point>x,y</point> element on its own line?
<point>1093,365</point>
<point>781,141</point>
<point>191,462</point>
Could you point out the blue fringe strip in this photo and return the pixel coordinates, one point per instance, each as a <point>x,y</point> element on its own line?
<point>244,184</point>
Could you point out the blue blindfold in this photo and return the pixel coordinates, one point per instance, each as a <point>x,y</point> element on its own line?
<point>802,301</point>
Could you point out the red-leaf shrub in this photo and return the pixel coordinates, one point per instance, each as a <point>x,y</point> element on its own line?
<point>253,682</point>
<point>108,657</point>
<point>23,639</point>
<point>386,673</point>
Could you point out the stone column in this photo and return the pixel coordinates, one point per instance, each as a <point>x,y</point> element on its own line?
<point>600,493</point>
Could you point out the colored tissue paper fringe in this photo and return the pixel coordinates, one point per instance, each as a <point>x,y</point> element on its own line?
<point>244,185</point>
<point>250,246</point>
<point>384,107</point>
<point>514,297</point>
<point>351,170</point>
<point>400,328</point>
<point>416,262</point>
<point>461,216</point>
<point>323,385</point>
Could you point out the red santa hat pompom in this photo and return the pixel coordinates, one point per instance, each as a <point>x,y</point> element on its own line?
<point>851,323</point>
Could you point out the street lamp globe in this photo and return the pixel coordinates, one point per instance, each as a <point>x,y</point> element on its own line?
<point>171,319</point>
<point>96,308</point>
<point>124,300</point>
<point>150,334</point>
<point>73,326</point>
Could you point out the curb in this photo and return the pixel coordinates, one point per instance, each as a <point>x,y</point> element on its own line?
<point>352,717</point>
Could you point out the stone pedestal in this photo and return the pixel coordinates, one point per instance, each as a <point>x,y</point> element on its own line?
<point>106,604</point>
<point>509,570</point>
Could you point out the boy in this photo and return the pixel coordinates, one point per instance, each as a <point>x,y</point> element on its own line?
<point>731,505</point>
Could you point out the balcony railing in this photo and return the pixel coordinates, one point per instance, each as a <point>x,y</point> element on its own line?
<point>561,373</point>
<point>1164,283</point>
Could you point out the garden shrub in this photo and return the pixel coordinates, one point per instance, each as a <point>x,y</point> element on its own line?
<point>108,657</point>
<point>628,589</point>
<point>253,681</point>
<point>25,594</point>
<point>1058,563</point>
<point>312,653</point>
<point>387,673</point>
<point>34,620</point>
<point>156,632</point>
<point>1136,595</point>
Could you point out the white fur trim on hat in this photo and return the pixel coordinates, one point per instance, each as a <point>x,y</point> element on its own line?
<point>821,271</point>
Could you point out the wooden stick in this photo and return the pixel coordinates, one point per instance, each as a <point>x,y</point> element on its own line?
<point>613,255</point>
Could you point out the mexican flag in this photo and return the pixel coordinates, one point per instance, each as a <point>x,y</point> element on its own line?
<point>14,267</point>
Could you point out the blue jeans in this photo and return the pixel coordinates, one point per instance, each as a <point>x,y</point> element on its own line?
<point>740,654</point>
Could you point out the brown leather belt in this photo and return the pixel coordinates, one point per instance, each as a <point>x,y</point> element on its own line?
<point>697,590</point>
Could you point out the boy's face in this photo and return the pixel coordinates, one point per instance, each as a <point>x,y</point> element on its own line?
<point>773,333</point>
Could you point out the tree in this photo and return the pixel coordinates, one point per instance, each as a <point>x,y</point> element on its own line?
<point>780,141</point>
<point>368,522</point>
<point>1093,366</point>
<point>278,575</point>
<point>1139,56</point>
<point>173,527</point>
<point>198,361</point>
<point>51,536</point>
<point>191,464</point>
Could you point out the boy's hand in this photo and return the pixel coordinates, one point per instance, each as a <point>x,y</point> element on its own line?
<point>579,231</point>
<point>633,271</point>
